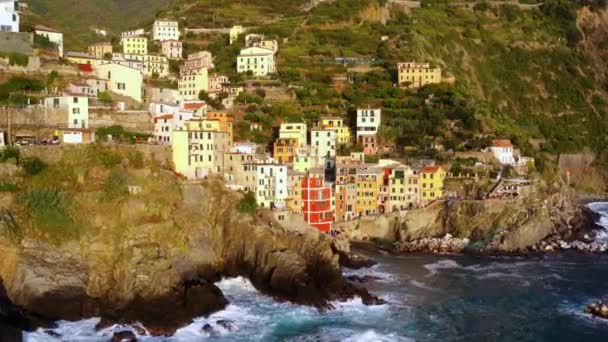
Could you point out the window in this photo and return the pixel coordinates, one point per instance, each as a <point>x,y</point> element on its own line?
<point>75,110</point>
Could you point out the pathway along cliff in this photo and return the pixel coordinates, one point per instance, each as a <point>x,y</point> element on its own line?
<point>162,273</point>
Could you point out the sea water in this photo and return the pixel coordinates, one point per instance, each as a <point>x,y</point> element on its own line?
<point>429,298</point>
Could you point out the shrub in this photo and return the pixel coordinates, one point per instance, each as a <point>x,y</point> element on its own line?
<point>115,186</point>
<point>49,210</point>
<point>10,152</point>
<point>248,204</point>
<point>7,185</point>
<point>33,166</point>
<point>105,98</point>
<point>136,159</point>
<point>109,159</point>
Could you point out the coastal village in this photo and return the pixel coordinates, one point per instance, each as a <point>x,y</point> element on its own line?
<point>323,171</point>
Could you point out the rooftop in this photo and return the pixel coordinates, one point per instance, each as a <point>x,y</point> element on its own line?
<point>502,143</point>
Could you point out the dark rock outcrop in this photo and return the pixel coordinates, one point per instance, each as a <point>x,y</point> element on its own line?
<point>599,309</point>
<point>124,336</point>
<point>163,274</point>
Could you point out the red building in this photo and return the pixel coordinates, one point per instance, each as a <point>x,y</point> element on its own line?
<point>316,203</point>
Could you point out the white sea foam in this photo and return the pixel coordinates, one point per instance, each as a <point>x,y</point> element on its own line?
<point>373,336</point>
<point>602,209</point>
<point>443,264</point>
<point>374,271</point>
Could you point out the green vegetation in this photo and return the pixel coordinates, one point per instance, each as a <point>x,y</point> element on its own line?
<point>17,59</point>
<point>75,20</point>
<point>13,91</point>
<point>49,209</point>
<point>248,203</point>
<point>33,166</point>
<point>119,134</point>
<point>115,186</point>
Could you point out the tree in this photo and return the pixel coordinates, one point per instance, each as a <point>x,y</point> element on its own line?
<point>105,98</point>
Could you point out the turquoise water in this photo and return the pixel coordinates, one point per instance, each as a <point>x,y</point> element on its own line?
<point>430,298</point>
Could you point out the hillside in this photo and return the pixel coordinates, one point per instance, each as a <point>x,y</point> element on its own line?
<point>523,72</point>
<point>76,17</point>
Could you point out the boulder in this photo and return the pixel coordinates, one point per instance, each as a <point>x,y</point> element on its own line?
<point>124,336</point>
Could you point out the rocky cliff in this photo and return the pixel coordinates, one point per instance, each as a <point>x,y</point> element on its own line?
<point>161,272</point>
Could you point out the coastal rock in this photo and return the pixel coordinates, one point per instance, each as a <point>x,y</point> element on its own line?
<point>163,276</point>
<point>124,336</point>
<point>226,324</point>
<point>599,309</point>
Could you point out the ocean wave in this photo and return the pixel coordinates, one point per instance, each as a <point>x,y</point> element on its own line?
<point>602,209</point>
<point>374,271</point>
<point>373,336</point>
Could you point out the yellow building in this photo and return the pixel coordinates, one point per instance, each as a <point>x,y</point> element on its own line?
<point>198,153</point>
<point>369,182</point>
<point>134,45</point>
<point>337,125</point>
<point>285,150</point>
<point>403,189</point>
<point>431,184</point>
<point>122,80</point>
<point>100,50</point>
<point>82,58</point>
<point>191,83</point>
<point>294,131</point>
<point>416,75</point>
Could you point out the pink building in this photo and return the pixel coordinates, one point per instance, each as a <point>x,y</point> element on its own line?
<point>172,49</point>
<point>196,61</point>
<point>216,84</point>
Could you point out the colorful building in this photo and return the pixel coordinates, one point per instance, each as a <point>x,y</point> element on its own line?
<point>196,61</point>
<point>284,150</point>
<point>225,122</point>
<point>294,131</point>
<point>431,183</point>
<point>198,153</point>
<point>317,203</point>
<point>172,49</point>
<point>346,201</point>
<point>403,189</point>
<point>416,75</point>
<point>343,136</point>
<point>294,191</point>
<point>234,169</point>
<point>151,65</point>
<point>134,45</point>
<point>369,181</point>
<point>190,84</point>
<point>368,123</point>
<point>73,110</point>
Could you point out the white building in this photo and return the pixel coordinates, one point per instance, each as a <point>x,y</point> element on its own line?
<point>163,129</point>
<point>161,108</point>
<point>216,84</point>
<point>133,33</point>
<point>259,61</point>
<point>245,147</point>
<point>165,30</point>
<point>53,36</point>
<point>122,80</point>
<point>325,143</point>
<point>271,185</point>
<point>192,83</point>
<point>503,151</point>
<point>76,108</point>
<point>165,95</point>
<point>368,121</point>
<point>172,49</point>
<point>9,17</point>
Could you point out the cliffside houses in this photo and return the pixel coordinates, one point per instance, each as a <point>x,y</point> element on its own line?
<point>9,16</point>
<point>100,50</point>
<point>172,49</point>
<point>368,123</point>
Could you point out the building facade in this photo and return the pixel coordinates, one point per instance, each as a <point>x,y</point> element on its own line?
<point>74,108</point>
<point>325,143</point>
<point>271,185</point>
<point>122,80</point>
<point>134,45</point>
<point>294,131</point>
<point>196,61</point>
<point>198,153</point>
<point>172,49</point>
<point>190,84</point>
<point>317,203</point>
<point>416,75</point>
<point>284,150</point>
<point>369,181</point>
<point>163,30</point>
<point>100,50</point>
<point>9,16</point>
<point>502,150</point>
<point>53,36</point>
<point>431,183</point>
<point>343,136</point>
<point>258,61</point>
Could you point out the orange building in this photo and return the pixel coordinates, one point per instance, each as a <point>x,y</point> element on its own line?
<point>225,122</point>
<point>285,150</point>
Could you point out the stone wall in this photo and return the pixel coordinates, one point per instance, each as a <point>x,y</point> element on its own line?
<point>381,227</point>
<point>17,42</point>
